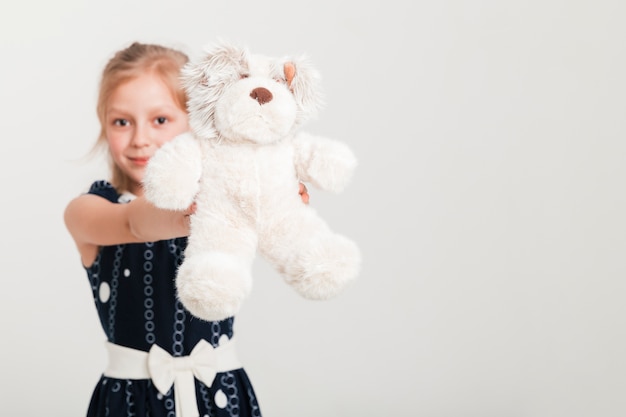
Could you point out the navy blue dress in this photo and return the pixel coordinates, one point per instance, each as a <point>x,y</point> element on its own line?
<point>134,293</point>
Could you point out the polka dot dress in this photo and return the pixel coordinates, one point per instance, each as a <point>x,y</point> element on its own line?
<point>134,293</point>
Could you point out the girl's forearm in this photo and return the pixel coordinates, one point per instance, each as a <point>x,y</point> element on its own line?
<point>149,223</point>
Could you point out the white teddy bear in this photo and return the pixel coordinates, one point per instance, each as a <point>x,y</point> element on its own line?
<point>241,164</point>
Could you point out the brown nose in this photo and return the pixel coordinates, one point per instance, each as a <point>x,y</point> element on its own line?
<point>262,95</point>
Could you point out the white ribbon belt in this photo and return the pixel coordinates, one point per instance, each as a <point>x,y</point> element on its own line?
<point>165,370</point>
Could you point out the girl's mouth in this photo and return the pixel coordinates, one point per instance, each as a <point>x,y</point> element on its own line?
<point>143,161</point>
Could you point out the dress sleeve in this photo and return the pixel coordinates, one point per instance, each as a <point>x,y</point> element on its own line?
<point>105,190</point>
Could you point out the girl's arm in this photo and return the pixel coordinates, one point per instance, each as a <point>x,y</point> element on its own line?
<point>94,221</point>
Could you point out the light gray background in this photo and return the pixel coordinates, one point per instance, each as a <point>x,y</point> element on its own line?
<point>489,204</point>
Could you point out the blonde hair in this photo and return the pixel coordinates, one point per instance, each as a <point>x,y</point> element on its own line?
<point>130,63</point>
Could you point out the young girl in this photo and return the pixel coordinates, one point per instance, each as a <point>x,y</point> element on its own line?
<point>130,250</point>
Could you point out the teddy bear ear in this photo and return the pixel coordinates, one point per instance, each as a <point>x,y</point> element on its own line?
<point>304,82</point>
<point>220,60</point>
<point>225,54</point>
<point>290,71</point>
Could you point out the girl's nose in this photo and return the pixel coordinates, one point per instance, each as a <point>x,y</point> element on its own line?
<point>141,136</point>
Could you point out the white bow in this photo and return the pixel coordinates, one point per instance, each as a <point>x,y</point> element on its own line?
<point>167,370</point>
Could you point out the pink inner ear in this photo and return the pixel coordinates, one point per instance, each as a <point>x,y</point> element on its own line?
<point>290,72</point>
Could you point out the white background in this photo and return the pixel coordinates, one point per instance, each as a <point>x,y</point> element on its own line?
<point>489,204</point>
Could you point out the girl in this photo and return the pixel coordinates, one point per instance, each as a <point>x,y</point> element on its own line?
<point>130,250</point>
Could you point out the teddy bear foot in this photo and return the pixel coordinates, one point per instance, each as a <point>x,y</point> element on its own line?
<point>213,286</point>
<point>332,263</point>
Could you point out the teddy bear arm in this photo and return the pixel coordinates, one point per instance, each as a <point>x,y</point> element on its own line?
<point>172,176</point>
<point>326,163</point>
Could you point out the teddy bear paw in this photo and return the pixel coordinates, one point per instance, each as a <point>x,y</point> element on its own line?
<point>333,170</point>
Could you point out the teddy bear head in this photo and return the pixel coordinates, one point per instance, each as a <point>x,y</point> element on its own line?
<point>239,97</point>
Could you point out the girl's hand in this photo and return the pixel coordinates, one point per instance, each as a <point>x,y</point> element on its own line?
<point>304,194</point>
<point>187,217</point>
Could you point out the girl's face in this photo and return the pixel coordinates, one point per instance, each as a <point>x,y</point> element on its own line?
<point>141,116</point>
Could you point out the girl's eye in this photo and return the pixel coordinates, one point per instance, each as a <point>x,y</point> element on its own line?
<point>161,120</point>
<point>121,122</point>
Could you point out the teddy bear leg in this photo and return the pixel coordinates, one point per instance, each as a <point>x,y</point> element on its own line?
<point>316,262</point>
<point>324,266</point>
<point>213,285</point>
<point>212,282</point>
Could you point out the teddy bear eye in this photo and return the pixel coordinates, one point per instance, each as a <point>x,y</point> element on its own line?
<point>242,76</point>
<point>279,80</point>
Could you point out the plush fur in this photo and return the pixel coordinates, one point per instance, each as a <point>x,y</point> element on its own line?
<point>241,163</point>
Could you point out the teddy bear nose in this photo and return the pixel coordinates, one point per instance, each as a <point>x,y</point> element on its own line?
<point>262,95</point>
